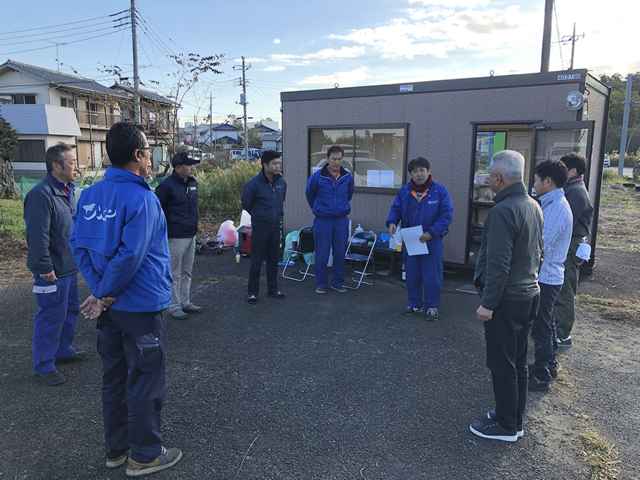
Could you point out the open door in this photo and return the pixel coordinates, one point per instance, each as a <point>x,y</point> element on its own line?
<point>554,140</point>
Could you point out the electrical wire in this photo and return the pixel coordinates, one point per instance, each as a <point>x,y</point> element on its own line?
<point>63,24</point>
<point>170,39</point>
<point>65,43</point>
<point>65,36</point>
<point>66,30</point>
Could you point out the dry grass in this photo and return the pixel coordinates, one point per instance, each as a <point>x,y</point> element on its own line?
<point>603,462</point>
<point>613,308</point>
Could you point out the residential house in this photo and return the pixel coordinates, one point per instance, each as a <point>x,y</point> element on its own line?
<point>32,91</point>
<point>157,116</point>
<point>272,141</point>
<point>222,133</point>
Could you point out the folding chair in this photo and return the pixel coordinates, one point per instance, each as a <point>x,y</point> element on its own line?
<point>362,239</point>
<point>304,245</point>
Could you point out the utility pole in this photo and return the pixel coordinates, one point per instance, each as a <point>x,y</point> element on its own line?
<point>243,102</point>
<point>136,78</point>
<point>195,133</point>
<point>210,119</point>
<point>625,123</point>
<point>546,36</point>
<point>573,39</point>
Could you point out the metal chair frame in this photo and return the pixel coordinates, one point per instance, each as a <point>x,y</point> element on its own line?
<point>300,254</point>
<point>368,237</point>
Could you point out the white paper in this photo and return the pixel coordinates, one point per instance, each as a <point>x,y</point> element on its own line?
<point>386,178</point>
<point>584,251</point>
<point>411,237</point>
<point>373,178</point>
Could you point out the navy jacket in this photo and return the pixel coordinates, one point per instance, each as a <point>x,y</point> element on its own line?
<point>264,200</point>
<point>179,200</point>
<point>120,242</point>
<point>48,213</point>
<point>328,198</point>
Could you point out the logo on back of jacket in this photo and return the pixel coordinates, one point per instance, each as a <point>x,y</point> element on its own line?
<point>98,214</point>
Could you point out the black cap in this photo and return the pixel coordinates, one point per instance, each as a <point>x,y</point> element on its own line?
<point>183,158</point>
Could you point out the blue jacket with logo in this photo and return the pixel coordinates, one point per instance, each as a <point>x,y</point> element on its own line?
<point>48,213</point>
<point>264,200</point>
<point>434,211</point>
<point>179,201</point>
<point>119,240</point>
<point>327,197</point>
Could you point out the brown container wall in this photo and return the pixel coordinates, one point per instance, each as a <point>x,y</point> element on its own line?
<point>440,127</point>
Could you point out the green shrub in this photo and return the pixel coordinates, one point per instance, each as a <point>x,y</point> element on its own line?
<point>11,216</point>
<point>611,176</point>
<point>221,191</point>
<point>630,158</point>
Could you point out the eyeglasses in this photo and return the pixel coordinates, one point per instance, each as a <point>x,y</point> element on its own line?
<point>147,148</point>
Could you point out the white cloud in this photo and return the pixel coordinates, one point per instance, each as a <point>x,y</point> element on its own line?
<point>273,69</point>
<point>326,54</point>
<point>276,40</point>
<point>451,3</point>
<point>251,60</point>
<point>342,78</point>
<point>451,30</point>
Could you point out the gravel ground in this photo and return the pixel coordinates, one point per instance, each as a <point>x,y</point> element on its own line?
<point>335,386</point>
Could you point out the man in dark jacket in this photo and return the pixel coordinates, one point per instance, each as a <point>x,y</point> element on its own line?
<point>48,213</point>
<point>178,195</point>
<point>576,194</point>
<point>329,191</point>
<point>263,197</point>
<point>507,280</point>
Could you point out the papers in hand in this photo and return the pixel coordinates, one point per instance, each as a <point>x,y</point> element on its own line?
<point>411,237</point>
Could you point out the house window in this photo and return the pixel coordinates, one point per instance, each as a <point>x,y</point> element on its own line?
<point>5,99</point>
<point>375,155</point>
<point>24,99</point>
<point>29,151</point>
<point>66,102</point>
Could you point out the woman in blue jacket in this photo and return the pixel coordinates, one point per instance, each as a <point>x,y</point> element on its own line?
<point>423,202</point>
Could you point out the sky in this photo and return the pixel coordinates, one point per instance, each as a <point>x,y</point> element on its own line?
<point>294,45</point>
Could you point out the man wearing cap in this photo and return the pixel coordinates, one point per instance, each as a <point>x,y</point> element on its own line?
<point>178,195</point>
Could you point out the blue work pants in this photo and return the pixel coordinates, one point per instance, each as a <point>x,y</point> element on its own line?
<point>543,332</point>
<point>133,382</point>
<point>330,233</point>
<point>54,324</point>
<point>424,277</point>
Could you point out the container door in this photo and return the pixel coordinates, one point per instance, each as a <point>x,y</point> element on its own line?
<point>554,140</point>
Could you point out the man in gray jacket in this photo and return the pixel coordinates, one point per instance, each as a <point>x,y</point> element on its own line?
<point>48,213</point>
<point>507,280</point>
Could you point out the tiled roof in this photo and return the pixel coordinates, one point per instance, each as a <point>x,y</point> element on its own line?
<point>143,93</point>
<point>58,78</point>
<point>272,137</point>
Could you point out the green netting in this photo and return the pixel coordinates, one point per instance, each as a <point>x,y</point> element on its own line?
<point>24,184</point>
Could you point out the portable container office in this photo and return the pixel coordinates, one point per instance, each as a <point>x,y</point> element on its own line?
<point>457,125</point>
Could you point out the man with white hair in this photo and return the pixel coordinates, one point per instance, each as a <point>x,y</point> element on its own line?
<point>507,280</point>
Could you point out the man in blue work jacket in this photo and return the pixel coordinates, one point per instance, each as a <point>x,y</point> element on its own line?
<point>263,197</point>
<point>48,212</point>
<point>178,195</point>
<point>329,191</point>
<point>119,240</point>
<point>423,202</point>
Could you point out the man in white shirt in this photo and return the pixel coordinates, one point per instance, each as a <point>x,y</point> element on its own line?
<point>550,178</point>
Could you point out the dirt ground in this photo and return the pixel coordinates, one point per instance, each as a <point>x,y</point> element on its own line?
<point>585,427</point>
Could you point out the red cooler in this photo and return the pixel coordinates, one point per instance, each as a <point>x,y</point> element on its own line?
<point>244,235</point>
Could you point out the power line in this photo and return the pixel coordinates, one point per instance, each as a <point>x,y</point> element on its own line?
<point>170,39</point>
<point>63,24</point>
<point>65,36</point>
<point>66,30</point>
<point>65,43</point>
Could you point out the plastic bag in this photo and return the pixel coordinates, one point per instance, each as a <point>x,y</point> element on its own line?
<point>227,233</point>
